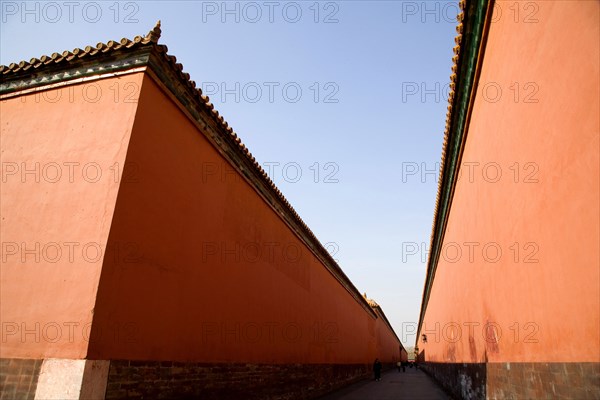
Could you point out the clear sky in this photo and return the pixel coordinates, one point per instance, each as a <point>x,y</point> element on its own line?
<point>343,101</point>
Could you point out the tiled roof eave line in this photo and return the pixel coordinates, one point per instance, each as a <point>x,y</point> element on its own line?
<point>115,56</point>
<point>387,322</point>
<point>89,53</point>
<point>21,81</point>
<point>473,22</point>
<point>227,142</point>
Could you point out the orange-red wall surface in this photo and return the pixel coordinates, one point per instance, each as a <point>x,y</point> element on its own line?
<point>62,155</point>
<point>138,261</point>
<point>528,189</point>
<point>212,273</point>
<point>136,239</point>
<point>195,264</point>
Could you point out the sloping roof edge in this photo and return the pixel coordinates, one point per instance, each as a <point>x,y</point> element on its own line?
<point>145,52</point>
<point>472,29</point>
<point>379,310</point>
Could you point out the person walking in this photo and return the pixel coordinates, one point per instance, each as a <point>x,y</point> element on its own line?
<point>377,369</point>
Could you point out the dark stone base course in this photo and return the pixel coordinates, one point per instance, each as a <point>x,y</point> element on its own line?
<point>493,381</point>
<point>575,381</point>
<point>461,381</point>
<point>18,378</point>
<point>168,380</point>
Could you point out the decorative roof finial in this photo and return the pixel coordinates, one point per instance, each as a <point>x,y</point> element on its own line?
<point>154,34</point>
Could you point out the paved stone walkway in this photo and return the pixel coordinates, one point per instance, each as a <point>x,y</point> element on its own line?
<point>412,384</point>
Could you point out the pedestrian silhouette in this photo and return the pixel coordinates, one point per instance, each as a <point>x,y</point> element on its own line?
<point>377,369</point>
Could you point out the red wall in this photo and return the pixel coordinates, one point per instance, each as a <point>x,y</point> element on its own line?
<point>545,311</point>
<point>56,218</point>
<point>182,296</point>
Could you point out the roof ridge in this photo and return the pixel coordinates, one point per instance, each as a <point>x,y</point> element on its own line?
<point>150,38</point>
<point>154,33</point>
<point>453,77</point>
<point>472,20</point>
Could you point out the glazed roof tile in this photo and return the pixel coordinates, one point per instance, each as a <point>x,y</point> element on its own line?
<point>472,26</point>
<point>454,68</point>
<point>77,53</point>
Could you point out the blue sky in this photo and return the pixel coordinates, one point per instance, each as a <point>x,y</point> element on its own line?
<point>347,100</point>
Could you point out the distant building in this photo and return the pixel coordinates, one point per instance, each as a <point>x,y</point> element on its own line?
<point>145,253</point>
<point>511,303</point>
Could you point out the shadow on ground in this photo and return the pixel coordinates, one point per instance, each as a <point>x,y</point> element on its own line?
<point>413,384</point>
